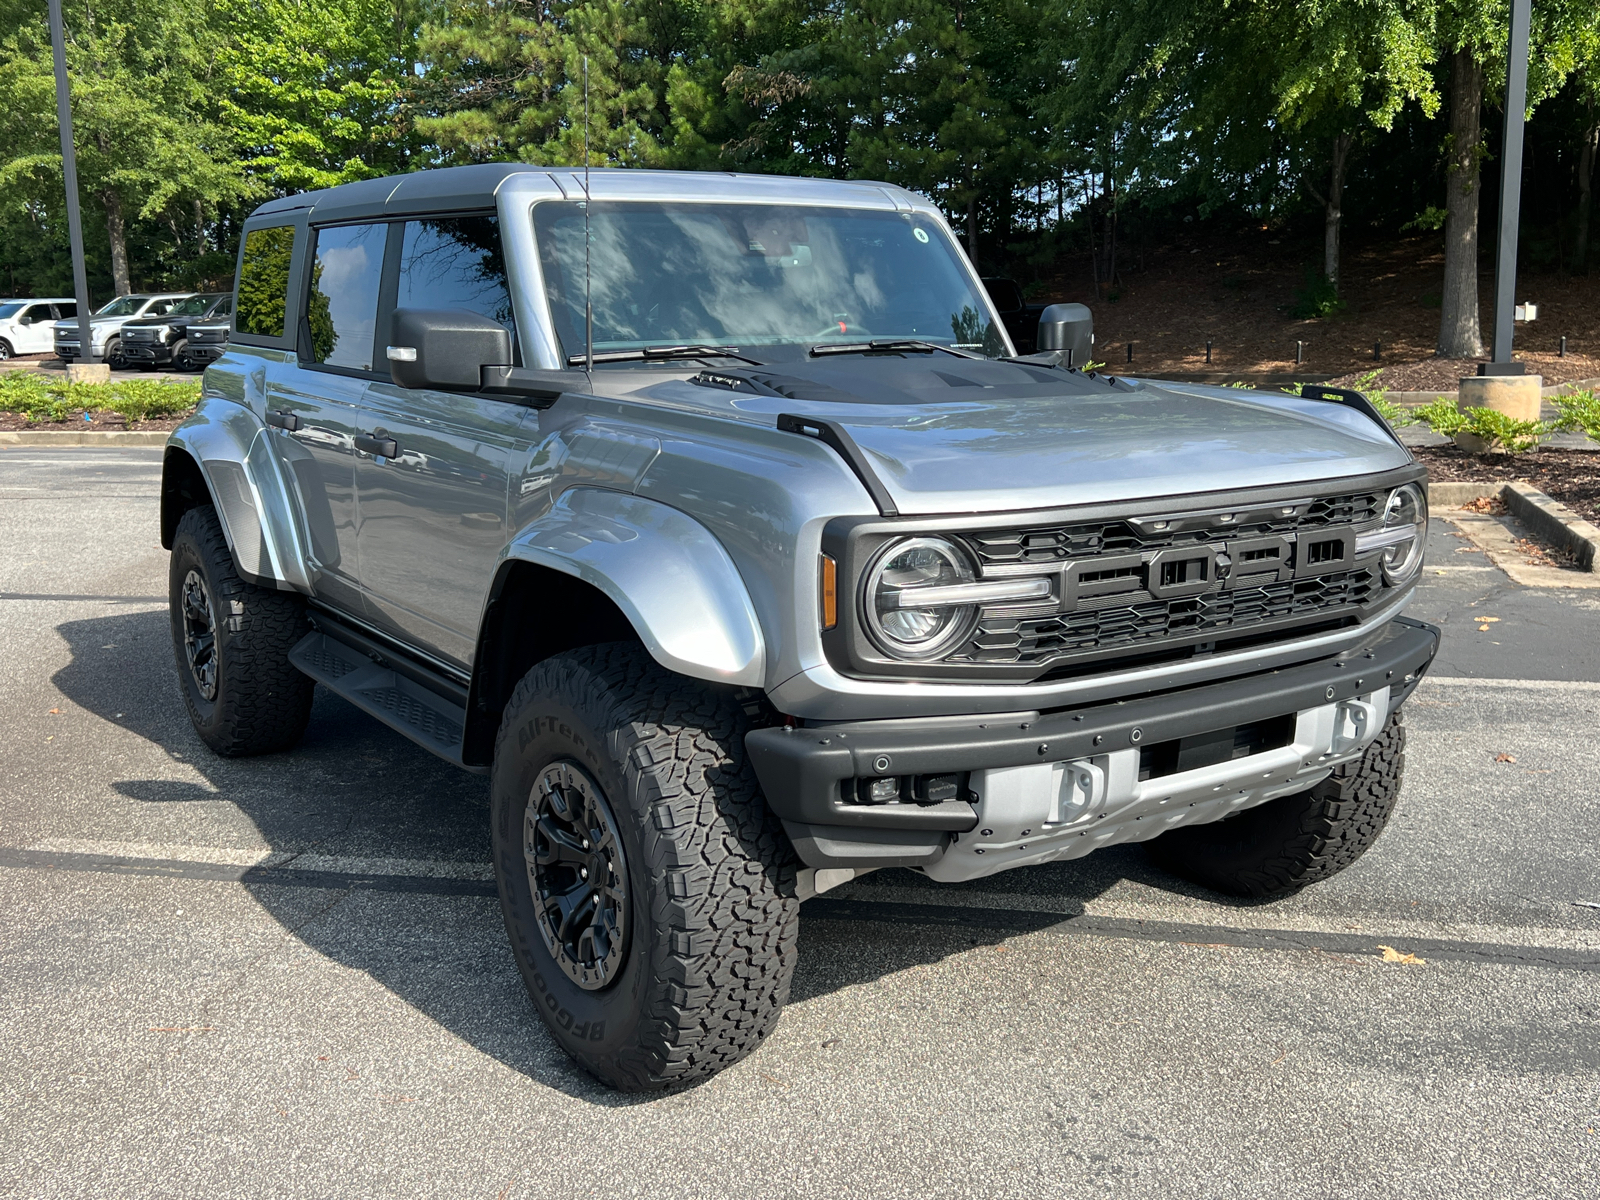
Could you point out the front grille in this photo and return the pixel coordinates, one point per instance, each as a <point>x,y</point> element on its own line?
<point>1038,546</point>
<point>145,336</point>
<point>1133,619</point>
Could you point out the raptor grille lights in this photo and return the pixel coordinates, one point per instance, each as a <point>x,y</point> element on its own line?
<point>912,601</point>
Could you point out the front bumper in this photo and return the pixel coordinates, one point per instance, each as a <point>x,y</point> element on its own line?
<point>142,352</point>
<point>1037,788</point>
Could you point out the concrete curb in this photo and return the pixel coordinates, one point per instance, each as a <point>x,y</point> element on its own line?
<point>89,437</point>
<point>1550,519</point>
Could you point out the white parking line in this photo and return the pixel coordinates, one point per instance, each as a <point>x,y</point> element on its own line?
<point>420,868</point>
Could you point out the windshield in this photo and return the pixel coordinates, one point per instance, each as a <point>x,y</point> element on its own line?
<point>123,306</point>
<point>766,279</point>
<point>194,306</point>
<point>7,311</point>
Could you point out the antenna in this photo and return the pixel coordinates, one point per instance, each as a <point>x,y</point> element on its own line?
<point>588,304</point>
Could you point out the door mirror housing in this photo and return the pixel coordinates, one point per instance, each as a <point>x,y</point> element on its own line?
<point>1070,329</point>
<point>445,349</point>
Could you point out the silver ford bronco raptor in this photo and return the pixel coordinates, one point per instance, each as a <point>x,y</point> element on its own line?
<point>714,518</point>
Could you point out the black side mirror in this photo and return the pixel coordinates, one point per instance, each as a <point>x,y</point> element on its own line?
<point>444,348</point>
<point>1070,329</point>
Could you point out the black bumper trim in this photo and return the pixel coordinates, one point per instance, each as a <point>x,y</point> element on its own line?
<point>800,769</point>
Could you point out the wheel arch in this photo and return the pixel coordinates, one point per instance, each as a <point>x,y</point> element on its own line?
<point>221,456</point>
<point>605,566</point>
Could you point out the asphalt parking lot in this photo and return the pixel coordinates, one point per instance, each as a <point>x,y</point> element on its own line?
<point>287,976</point>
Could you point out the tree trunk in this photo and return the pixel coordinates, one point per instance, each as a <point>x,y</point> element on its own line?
<point>1459,332</point>
<point>1591,146</point>
<point>972,231</point>
<point>117,228</point>
<point>1332,212</point>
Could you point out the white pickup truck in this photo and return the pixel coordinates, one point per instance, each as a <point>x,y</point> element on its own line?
<point>25,324</point>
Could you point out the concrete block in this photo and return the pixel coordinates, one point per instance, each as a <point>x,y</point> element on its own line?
<point>1517,396</point>
<point>88,373</point>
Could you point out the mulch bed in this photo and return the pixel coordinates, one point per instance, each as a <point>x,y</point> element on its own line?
<point>99,421</point>
<point>1237,286</point>
<point>1570,476</point>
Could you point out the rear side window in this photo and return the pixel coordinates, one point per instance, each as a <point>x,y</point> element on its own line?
<point>264,281</point>
<point>66,310</point>
<point>455,262</point>
<point>342,309</point>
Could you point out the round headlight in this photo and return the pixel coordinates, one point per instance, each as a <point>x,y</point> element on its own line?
<point>1407,506</point>
<point>896,622</point>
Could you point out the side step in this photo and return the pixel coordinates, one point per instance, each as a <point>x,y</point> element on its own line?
<point>424,716</point>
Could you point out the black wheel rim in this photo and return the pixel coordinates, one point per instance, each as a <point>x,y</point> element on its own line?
<point>199,634</point>
<point>578,875</point>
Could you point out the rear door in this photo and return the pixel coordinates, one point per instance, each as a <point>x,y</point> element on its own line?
<point>314,398</point>
<point>433,516</point>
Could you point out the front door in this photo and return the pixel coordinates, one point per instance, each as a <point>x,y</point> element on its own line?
<point>35,329</point>
<point>314,405</point>
<point>433,516</point>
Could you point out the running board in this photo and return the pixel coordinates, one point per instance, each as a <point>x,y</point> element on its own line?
<point>424,716</point>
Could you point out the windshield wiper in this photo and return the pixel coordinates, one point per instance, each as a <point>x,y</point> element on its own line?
<point>884,345</point>
<point>650,353</point>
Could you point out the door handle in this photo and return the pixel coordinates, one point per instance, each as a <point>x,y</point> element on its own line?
<point>283,419</point>
<point>380,447</point>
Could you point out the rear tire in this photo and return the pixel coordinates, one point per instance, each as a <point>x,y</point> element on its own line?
<point>232,641</point>
<point>1279,847</point>
<point>687,966</point>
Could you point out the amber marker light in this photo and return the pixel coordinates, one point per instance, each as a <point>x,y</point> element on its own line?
<point>830,593</point>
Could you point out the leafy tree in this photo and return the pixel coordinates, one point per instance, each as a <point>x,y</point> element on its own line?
<point>146,148</point>
<point>312,90</point>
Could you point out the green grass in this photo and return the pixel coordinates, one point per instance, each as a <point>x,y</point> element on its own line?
<point>38,398</point>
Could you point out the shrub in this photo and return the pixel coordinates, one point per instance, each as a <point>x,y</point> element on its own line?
<point>1316,297</point>
<point>39,398</point>
<point>1497,431</point>
<point>1579,411</point>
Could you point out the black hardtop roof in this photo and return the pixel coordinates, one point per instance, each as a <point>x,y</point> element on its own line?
<point>444,189</point>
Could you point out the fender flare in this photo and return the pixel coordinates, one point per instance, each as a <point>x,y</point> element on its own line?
<point>667,573</point>
<point>230,446</point>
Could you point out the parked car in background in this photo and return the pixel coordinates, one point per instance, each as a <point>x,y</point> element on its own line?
<point>208,338</point>
<point>25,324</point>
<point>162,340</point>
<point>106,327</point>
<point>1020,318</point>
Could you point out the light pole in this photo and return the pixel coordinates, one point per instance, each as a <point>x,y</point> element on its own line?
<point>1505,258</point>
<point>69,173</point>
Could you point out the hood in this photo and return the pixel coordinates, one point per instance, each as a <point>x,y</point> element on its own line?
<point>950,435</point>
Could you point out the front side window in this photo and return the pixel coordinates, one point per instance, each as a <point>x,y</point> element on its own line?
<point>122,306</point>
<point>35,313</point>
<point>342,309</point>
<point>194,306</point>
<point>769,279</point>
<point>455,262</point>
<point>264,281</point>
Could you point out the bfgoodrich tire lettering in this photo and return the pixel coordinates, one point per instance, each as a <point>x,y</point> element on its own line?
<point>232,640</point>
<point>712,919</point>
<point>1282,846</point>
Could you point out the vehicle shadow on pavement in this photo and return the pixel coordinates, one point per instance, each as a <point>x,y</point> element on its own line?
<point>355,789</point>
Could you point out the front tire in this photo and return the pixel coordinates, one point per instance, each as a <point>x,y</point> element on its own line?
<point>647,890</point>
<point>115,359</point>
<point>232,642</point>
<point>1279,847</point>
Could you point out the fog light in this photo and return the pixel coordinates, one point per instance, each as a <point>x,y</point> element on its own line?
<point>880,791</point>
